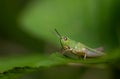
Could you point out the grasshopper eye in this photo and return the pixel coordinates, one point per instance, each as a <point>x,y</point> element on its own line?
<point>65,38</point>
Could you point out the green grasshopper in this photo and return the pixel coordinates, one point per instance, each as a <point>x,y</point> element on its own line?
<point>71,47</point>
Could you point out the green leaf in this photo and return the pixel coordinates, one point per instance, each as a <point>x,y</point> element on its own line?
<point>18,66</point>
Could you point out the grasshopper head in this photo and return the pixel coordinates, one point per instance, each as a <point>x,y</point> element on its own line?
<point>65,41</point>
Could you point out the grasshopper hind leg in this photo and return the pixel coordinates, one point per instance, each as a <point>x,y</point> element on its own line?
<point>84,56</point>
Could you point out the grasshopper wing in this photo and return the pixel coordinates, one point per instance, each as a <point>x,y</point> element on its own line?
<point>101,49</point>
<point>94,52</point>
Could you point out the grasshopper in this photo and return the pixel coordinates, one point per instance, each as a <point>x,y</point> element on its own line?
<point>78,49</point>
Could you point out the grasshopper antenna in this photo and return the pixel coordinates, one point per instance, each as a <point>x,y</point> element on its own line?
<point>59,35</point>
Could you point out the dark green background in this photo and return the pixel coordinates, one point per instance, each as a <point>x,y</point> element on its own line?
<point>27,27</point>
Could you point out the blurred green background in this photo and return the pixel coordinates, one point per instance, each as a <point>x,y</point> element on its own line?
<point>27,27</point>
